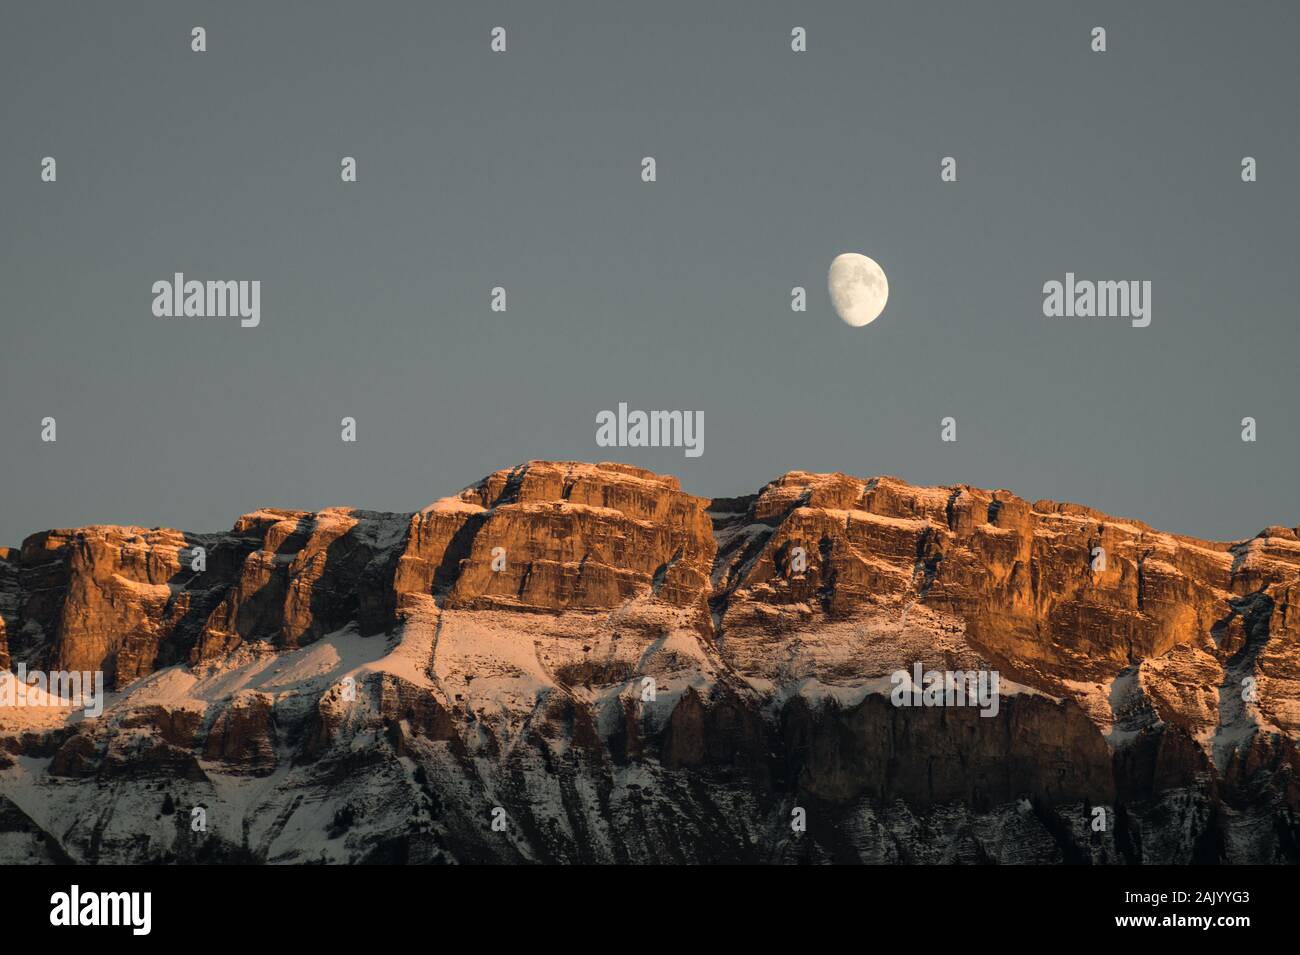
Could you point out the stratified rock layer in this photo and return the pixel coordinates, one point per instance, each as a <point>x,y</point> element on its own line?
<point>613,670</point>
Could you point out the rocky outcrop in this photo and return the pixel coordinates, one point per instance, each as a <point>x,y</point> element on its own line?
<point>547,537</point>
<point>574,662</point>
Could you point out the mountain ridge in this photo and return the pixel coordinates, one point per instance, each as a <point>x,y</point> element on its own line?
<point>499,641</point>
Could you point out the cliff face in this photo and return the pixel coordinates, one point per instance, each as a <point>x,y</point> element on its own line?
<point>572,662</point>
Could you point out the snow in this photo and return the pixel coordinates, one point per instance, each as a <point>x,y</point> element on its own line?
<point>454,505</point>
<point>33,708</point>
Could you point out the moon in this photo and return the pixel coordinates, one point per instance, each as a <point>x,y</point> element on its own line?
<point>858,288</point>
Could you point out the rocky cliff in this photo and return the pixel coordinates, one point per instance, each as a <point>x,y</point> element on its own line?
<point>582,663</point>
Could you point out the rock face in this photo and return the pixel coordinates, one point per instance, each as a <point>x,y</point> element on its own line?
<point>582,663</point>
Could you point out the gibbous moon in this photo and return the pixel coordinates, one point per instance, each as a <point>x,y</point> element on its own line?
<point>858,288</point>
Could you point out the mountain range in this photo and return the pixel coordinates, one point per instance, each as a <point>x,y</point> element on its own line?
<point>582,663</point>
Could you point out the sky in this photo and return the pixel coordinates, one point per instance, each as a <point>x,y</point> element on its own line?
<point>523,170</point>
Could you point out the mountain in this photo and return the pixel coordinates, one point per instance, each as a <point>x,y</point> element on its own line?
<point>571,662</point>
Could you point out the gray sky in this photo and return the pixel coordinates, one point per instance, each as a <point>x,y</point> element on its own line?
<point>523,170</point>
